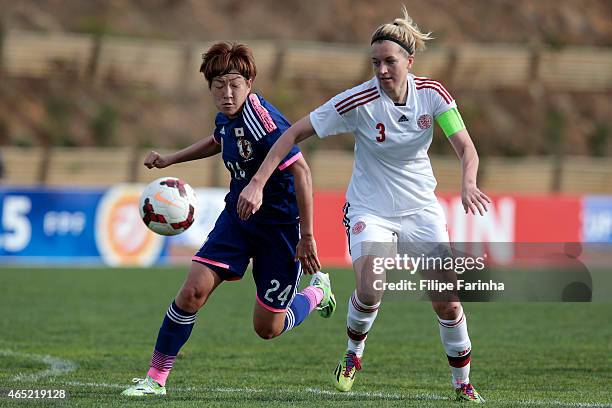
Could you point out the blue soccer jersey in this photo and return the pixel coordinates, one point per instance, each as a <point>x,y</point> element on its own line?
<point>245,141</point>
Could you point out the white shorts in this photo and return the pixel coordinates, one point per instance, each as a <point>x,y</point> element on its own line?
<point>427,226</point>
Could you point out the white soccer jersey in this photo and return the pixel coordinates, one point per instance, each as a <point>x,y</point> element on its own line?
<point>392,174</point>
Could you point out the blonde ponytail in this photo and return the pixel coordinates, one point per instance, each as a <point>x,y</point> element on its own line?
<point>404,32</point>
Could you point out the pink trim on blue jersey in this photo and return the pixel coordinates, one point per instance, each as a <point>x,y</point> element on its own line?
<point>270,308</point>
<point>262,114</point>
<point>208,261</point>
<point>215,139</point>
<point>292,160</point>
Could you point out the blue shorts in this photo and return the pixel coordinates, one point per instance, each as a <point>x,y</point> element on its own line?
<point>233,242</point>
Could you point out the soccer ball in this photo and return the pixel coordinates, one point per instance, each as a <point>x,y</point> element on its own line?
<point>167,206</point>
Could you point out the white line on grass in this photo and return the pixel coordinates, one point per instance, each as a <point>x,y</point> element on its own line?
<point>381,395</point>
<point>363,394</point>
<point>177,389</point>
<point>434,397</point>
<point>91,384</point>
<point>565,404</point>
<point>57,366</point>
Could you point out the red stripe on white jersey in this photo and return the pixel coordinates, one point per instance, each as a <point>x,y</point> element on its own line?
<point>352,102</point>
<point>353,96</point>
<point>432,82</point>
<point>421,81</point>
<point>424,79</point>
<point>416,78</point>
<point>446,99</point>
<point>350,108</point>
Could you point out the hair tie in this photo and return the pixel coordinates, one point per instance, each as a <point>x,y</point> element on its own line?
<point>382,37</point>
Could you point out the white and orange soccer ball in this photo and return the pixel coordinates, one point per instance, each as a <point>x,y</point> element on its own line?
<point>167,206</point>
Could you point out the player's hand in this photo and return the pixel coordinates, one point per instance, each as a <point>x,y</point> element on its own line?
<point>306,253</point>
<point>155,159</point>
<point>249,201</point>
<point>474,200</point>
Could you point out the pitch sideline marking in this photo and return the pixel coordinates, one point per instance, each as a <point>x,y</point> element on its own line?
<point>381,395</point>
<point>565,404</point>
<point>179,389</point>
<point>57,366</point>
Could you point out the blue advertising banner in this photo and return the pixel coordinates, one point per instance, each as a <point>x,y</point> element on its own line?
<point>597,219</point>
<point>76,226</point>
<point>43,223</point>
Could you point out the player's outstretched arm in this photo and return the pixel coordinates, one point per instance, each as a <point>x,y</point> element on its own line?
<point>203,148</point>
<point>472,198</point>
<point>251,196</point>
<point>306,251</point>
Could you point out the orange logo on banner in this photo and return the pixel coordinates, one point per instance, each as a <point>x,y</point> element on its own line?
<point>122,237</point>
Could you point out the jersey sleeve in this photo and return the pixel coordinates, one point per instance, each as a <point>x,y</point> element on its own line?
<point>339,114</point>
<point>258,118</point>
<point>219,130</point>
<point>294,154</point>
<point>217,137</point>
<point>267,125</point>
<point>443,107</point>
<point>440,100</point>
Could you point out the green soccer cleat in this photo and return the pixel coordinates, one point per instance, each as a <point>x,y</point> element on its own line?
<point>467,393</point>
<point>144,387</point>
<point>327,307</point>
<point>344,374</point>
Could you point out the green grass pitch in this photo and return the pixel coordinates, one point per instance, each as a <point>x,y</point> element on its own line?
<point>89,331</point>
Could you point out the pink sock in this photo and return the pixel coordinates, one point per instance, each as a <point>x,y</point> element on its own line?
<point>161,365</point>
<point>314,296</point>
<point>159,376</point>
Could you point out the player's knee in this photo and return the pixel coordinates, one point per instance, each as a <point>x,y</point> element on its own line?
<point>368,297</point>
<point>266,332</point>
<point>191,299</point>
<point>447,310</point>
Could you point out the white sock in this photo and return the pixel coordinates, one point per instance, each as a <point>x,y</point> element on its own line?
<point>358,323</point>
<point>458,348</point>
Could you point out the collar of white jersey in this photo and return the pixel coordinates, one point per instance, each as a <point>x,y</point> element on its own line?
<point>410,92</point>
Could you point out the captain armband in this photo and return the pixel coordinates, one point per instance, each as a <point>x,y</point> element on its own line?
<point>450,122</point>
